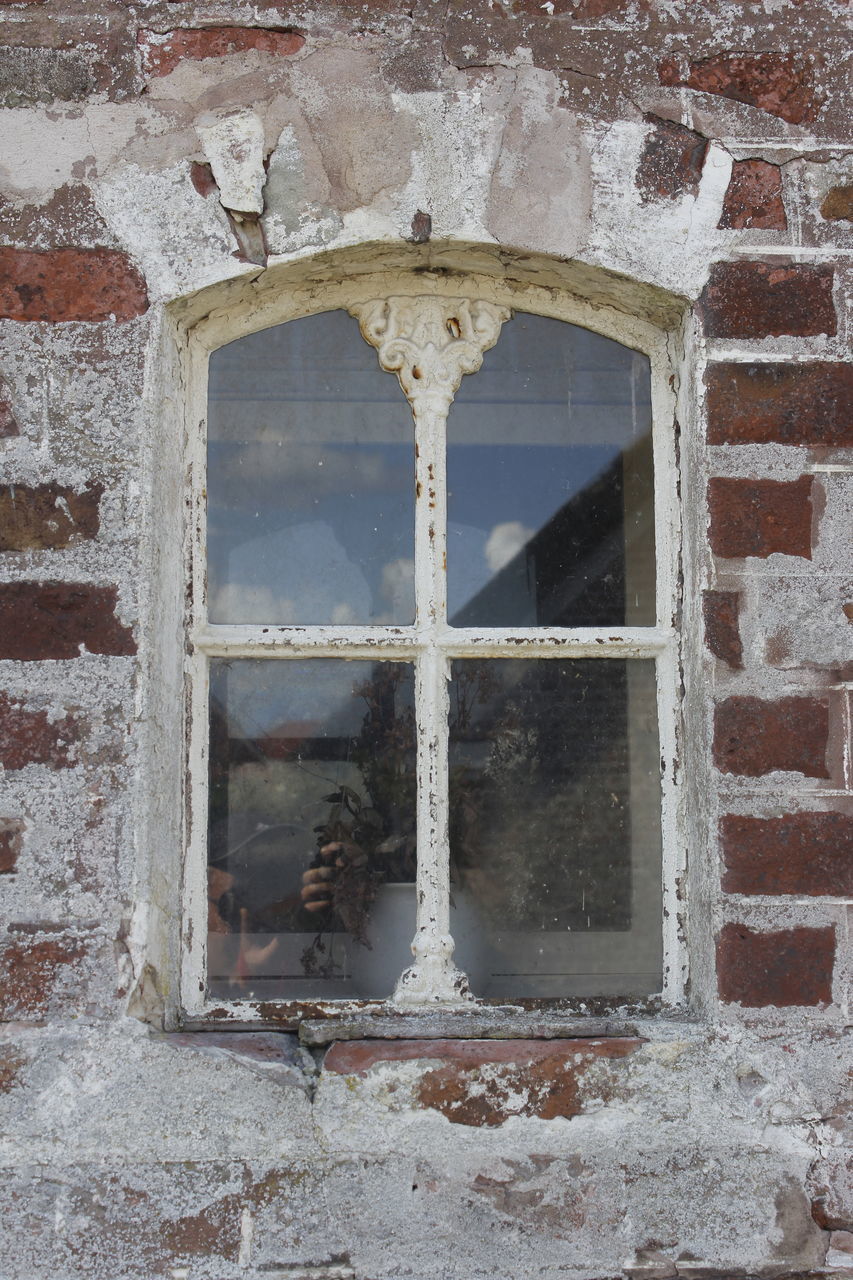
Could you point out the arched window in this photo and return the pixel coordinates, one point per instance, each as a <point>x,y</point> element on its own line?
<point>432,658</point>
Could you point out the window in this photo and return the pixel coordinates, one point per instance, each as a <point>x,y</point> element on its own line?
<point>432,656</point>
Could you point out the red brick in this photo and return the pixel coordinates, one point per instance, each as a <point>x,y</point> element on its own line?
<point>754,197</point>
<point>762,300</point>
<point>753,736</point>
<point>54,619</point>
<point>788,967</point>
<point>770,403</point>
<point>672,160</point>
<point>542,1078</point>
<point>47,517</point>
<point>59,285</point>
<point>11,842</point>
<point>720,610</point>
<point>29,737</point>
<point>161,52</point>
<point>760,517</point>
<point>837,204</point>
<point>802,853</point>
<point>31,971</point>
<point>780,83</point>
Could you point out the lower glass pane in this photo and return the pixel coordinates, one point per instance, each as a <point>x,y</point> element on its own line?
<point>312,818</point>
<point>555,826</point>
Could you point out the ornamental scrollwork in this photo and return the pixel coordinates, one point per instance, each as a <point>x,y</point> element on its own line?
<point>430,343</point>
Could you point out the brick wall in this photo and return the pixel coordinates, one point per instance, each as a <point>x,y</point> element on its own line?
<point>154,150</point>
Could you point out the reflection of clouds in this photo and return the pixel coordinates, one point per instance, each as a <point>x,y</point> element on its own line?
<point>398,577</point>
<point>342,614</point>
<point>504,542</point>
<point>397,588</point>
<point>301,574</point>
<point>257,472</point>
<point>243,602</point>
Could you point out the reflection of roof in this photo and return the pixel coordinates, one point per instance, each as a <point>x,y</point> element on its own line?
<point>571,572</point>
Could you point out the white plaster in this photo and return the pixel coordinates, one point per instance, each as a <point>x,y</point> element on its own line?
<point>233,141</point>
<point>671,242</point>
<point>452,167</point>
<point>179,238</point>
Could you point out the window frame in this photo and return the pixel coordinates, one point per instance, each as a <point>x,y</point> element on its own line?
<point>204,641</point>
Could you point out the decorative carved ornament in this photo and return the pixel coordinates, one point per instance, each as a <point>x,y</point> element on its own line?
<point>430,343</point>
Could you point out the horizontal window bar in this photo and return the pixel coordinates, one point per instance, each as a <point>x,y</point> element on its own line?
<point>406,642</point>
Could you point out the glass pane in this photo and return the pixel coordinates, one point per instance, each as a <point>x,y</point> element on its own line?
<point>555,825</point>
<point>550,497</point>
<point>310,480</point>
<point>312,820</point>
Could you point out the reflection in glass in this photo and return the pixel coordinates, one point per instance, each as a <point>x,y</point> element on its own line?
<point>550,497</point>
<point>312,783</point>
<point>310,479</point>
<point>555,823</point>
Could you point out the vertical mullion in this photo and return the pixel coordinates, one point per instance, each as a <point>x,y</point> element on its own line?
<point>432,977</point>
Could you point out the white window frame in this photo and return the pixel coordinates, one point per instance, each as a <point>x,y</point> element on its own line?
<point>431,644</point>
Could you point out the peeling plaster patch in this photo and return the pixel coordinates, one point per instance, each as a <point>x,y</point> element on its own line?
<point>295,195</point>
<point>671,242</point>
<point>45,149</point>
<point>233,143</point>
<point>452,166</point>
<point>39,153</point>
<point>541,185</point>
<point>181,240</point>
<point>364,143</point>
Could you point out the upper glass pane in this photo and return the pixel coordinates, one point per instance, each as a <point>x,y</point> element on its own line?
<point>310,480</point>
<point>550,483</point>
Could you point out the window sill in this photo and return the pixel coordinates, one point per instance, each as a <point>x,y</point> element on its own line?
<point>524,1020</point>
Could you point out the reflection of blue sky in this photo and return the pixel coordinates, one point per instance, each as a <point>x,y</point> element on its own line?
<point>310,477</point>
<point>315,696</point>
<point>311,542</point>
<point>509,490</point>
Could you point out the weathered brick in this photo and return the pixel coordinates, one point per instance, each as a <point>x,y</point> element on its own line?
<point>803,853</point>
<point>837,204</point>
<point>58,285</point>
<point>755,736</point>
<point>760,517</point>
<point>798,404</point>
<point>672,160</point>
<point>8,423</point>
<point>40,620</point>
<point>780,968</point>
<point>47,517</point>
<point>31,971</point>
<point>201,176</point>
<point>68,219</point>
<point>832,1207</point>
<point>762,300</point>
<point>11,843</point>
<point>12,1061</point>
<point>161,52</point>
<point>486,1082</point>
<point>722,631</point>
<point>754,197</point>
<point>780,83</point>
<point>30,737</point>
<point>28,76</point>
